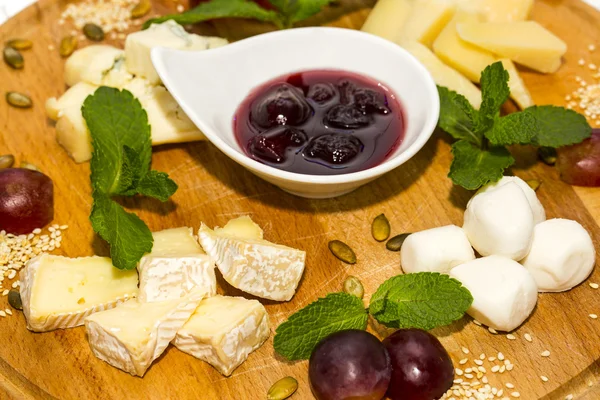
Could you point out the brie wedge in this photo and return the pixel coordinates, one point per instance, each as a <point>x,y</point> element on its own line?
<point>223,331</point>
<point>59,292</point>
<point>176,266</point>
<point>252,264</point>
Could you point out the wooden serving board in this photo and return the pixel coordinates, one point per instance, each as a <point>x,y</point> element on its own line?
<point>213,189</point>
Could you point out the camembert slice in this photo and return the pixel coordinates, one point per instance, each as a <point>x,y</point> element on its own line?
<point>59,292</point>
<point>252,264</point>
<point>176,266</point>
<point>134,334</point>
<point>224,331</point>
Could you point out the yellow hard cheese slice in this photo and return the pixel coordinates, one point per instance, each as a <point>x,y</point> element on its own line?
<point>499,10</point>
<point>387,18</point>
<point>426,20</point>
<point>59,292</point>
<point>518,91</point>
<point>526,43</point>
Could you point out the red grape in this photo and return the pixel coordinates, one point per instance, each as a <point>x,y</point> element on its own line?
<point>579,164</point>
<point>421,367</point>
<point>351,364</point>
<point>284,104</point>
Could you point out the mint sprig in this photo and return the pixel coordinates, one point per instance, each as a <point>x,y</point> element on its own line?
<point>480,155</point>
<point>120,166</point>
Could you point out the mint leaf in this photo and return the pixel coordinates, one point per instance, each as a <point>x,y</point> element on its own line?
<point>216,9</point>
<point>515,128</point>
<point>298,10</point>
<point>423,300</point>
<point>457,116</point>
<point>296,338</point>
<point>558,126</point>
<point>158,185</point>
<point>473,167</point>
<point>494,93</point>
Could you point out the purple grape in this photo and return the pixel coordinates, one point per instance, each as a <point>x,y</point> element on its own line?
<point>321,93</point>
<point>283,104</point>
<point>347,117</point>
<point>369,101</point>
<point>271,146</point>
<point>334,148</point>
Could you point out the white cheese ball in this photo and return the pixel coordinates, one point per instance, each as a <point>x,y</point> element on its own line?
<point>504,292</point>
<point>500,222</point>
<point>562,255</point>
<point>436,250</point>
<point>539,214</point>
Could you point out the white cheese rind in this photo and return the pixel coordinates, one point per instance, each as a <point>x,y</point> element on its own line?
<point>224,331</point>
<point>75,288</point>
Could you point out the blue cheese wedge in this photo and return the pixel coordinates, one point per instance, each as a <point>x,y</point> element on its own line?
<point>59,292</point>
<point>224,331</point>
<point>134,334</point>
<point>176,266</point>
<point>91,64</point>
<point>252,264</point>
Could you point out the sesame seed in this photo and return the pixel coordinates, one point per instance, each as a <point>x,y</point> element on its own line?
<point>5,292</point>
<point>544,378</point>
<point>465,350</point>
<point>515,394</point>
<point>569,397</point>
<point>510,336</point>
<point>2,313</point>
<point>581,62</point>
<point>509,385</point>
<point>594,285</point>
<point>545,353</point>
<point>476,322</point>
<point>463,361</point>
<point>509,367</point>
<point>482,356</point>
<point>592,66</point>
<point>458,371</point>
<point>469,370</point>
<point>492,330</point>
<point>470,376</point>
<point>593,316</point>
<point>482,369</point>
<point>528,337</point>
<point>478,362</point>
<point>591,47</point>
<point>491,359</point>
<point>500,356</point>
<point>495,368</point>
<point>180,8</point>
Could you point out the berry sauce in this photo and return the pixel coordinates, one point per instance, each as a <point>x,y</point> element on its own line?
<point>322,122</point>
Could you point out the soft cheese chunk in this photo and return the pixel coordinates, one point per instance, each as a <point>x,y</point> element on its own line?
<point>91,64</point>
<point>387,18</point>
<point>518,91</point>
<point>526,42</point>
<point>134,334</point>
<point>224,331</point>
<point>426,20</point>
<point>504,292</point>
<point>500,222</point>
<point>176,266</point>
<point>562,255</point>
<point>539,214</point>
<point>254,265</point>
<point>499,10</point>
<point>436,250</point>
<point>72,98</point>
<point>168,34</point>
<point>59,292</point>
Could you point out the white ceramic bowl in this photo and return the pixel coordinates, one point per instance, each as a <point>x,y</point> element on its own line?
<point>210,85</point>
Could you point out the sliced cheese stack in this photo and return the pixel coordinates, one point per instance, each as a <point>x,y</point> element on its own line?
<point>387,18</point>
<point>252,264</point>
<point>59,292</point>
<point>224,331</point>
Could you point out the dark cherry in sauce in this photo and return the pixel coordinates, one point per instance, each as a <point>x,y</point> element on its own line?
<point>320,122</point>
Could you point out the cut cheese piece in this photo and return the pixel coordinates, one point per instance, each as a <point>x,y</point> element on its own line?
<point>256,266</point>
<point>168,34</point>
<point>518,91</point>
<point>223,331</point>
<point>134,334</point>
<point>59,292</point>
<point>526,42</point>
<point>442,74</point>
<point>499,10</point>
<point>91,64</point>
<point>426,20</point>
<point>72,98</point>
<point>176,266</point>
<point>387,18</point>
<point>72,133</point>
<point>460,55</point>
<point>242,228</point>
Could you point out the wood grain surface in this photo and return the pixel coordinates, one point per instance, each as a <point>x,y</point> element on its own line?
<point>213,189</point>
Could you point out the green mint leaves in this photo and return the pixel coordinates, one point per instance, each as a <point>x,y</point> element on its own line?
<point>286,13</point>
<point>479,155</point>
<point>120,166</point>
<point>423,300</point>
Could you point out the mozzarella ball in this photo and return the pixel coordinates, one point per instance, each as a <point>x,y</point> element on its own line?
<point>562,255</point>
<point>539,214</point>
<point>500,222</point>
<point>436,250</point>
<point>504,292</point>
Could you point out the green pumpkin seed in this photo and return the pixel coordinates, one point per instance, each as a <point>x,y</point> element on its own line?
<point>380,228</point>
<point>14,299</point>
<point>13,58</point>
<point>282,389</point>
<point>93,32</point>
<point>547,155</point>
<point>20,44</point>
<point>7,161</point>
<point>142,8</point>
<point>26,165</point>
<point>395,243</point>
<point>68,44</point>
<point>18,100</point>
<point>342,251</point>
<point>534,184</point>
<point>353,286</point>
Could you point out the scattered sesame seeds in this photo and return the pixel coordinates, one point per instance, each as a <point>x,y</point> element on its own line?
<point>478,362</point>
<point>594,285</point>
<point>581,62</point>
<point>509,385</point>
<point>545,353</point>
<point>515,394</point>
<point>111,15</point>
<point>465,350</point>
<point>528,337</point>
<point>463,361</point>
<point>482,356</point>
<point>510,336</point>
<point>458,371</point>
<point>544,378</point>
<point>593,316</point>
<point>492,331</point>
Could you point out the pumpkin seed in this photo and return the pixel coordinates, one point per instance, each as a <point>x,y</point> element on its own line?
<point>380,228</point>
<point>68,44</point>
<point>353,286</point>
<point>13,58</point>
<point>7,161</point>
<point>142,8</point>
<point>534,184</point>
<point>395,243</point>
<point>26,165</point>
<point>547,155</point>
<point>14,299</point>
<point>18,100</point>
<point>282,389</point>
<point>20,44</point>
<point>93,32</point>
<point>342,251</point>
